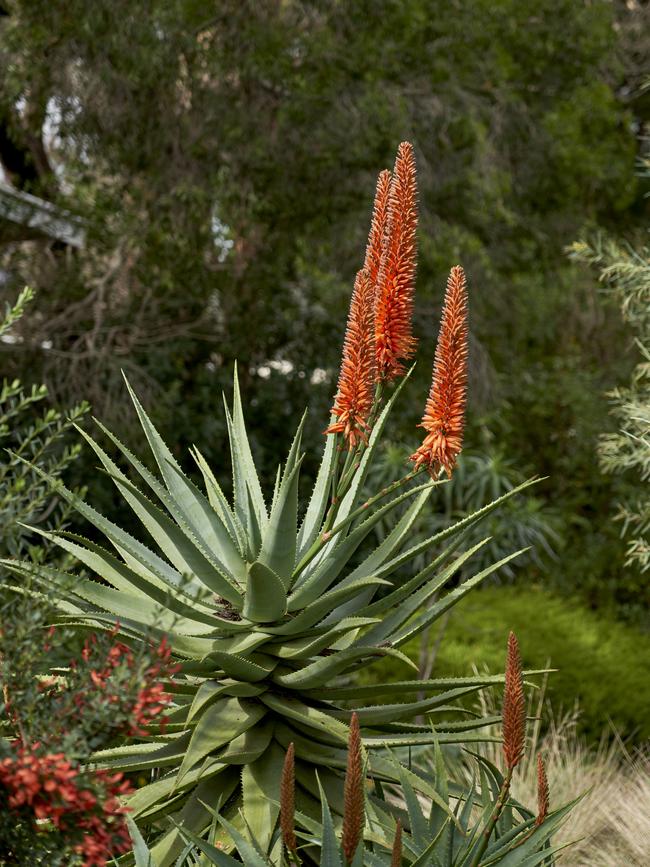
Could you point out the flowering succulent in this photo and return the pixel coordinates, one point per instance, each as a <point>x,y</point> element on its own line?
<point>266,614</point>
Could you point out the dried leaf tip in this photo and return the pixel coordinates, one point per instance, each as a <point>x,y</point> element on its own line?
<point>396,858</point>
<point>514,707</point>
<point>288,800</point>
<point>353,797</point>
<point>356,386</point>
<point>394,339</point>
<point>444,414</point>
<point>542,791</point>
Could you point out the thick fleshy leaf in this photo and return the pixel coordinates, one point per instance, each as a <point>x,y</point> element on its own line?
<point>224,720</point>
<point>417,598</point>
<point>315,612</point>
<point>266,599</point>
<point>261,793</point>
<point>193,514</point>
<point>423,620</point>
<point>123,578</point>
<point>210,690</point>
<point>315,514</point>
<point>385,713</point>
<point>318,672</point>
<point>219,502</point>
<point>153,567</point>
<point>193,817</point>
<point>279,537</point>
<point>141,852</point>
<point>316,581</point>
<point>293,709</point>
<point>373,562</point>
<point>250,670</point>
<point>249,746</point>
<point>330,853</point>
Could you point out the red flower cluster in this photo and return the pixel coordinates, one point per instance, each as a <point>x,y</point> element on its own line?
<point>151,699</point>
<point>57,792</point>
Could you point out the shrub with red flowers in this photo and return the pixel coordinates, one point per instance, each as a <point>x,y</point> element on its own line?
<point>60,703</point>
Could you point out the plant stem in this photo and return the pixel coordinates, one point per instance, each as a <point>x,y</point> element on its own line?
<point>494,818</point>
<point>325,536</point>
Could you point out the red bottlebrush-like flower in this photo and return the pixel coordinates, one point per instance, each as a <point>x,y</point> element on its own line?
<point>542,791</point>
<point>377,236</point>
<point>288,800</point>
<point>514,707</point>
<point>353,799</point>
<point>355,393</point>
<point>444,414</point>
<point>394,339</point>
<point>396,857</point>
<point>71,799</point>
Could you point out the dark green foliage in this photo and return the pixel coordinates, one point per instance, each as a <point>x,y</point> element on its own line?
<point>28,433</point>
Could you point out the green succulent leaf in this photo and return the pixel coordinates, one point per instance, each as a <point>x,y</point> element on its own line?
<point>266,598</point>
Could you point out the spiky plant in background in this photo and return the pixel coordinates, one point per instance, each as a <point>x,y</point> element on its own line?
<point>265,615</point>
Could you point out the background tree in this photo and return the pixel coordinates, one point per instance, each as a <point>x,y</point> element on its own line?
<point>223,157</point>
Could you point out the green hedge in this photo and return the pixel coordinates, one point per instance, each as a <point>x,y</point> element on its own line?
<point>602,663</point>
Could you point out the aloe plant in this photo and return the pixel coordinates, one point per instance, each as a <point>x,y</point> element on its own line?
<point>268,616</point>
<point>264,616</point>
<point>478,824</point>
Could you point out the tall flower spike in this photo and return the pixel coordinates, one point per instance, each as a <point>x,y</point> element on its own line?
<point>396,858</point>
<point>514,707</point>
<point>377,235</point>
<point>288,800</point>
<point>542,791</point>
<point>356,386</point>
<point>396,278</point>
<point>444,414</point>
<point>353,799</point>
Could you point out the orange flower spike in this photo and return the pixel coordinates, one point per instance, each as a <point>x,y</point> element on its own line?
<point>396,856</point>
<point>542,792</point>
<point>356,386</point>
<point>514,707</point>
<point>396,278</point>
<point>377,234</point>
<point>353,798</point>
<point>288,800</point>
<point>444,414</point>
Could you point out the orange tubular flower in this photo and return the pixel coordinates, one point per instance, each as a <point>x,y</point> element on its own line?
<point>444,414</point>
<point>353,799</point>
<point>355,393</point>
<point>396,277</point>
<point>377,236</point>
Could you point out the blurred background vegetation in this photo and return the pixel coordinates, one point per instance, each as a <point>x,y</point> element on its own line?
<point>188,183</point>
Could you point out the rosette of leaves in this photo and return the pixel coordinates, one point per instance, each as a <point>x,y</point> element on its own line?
<point>266,615</point>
